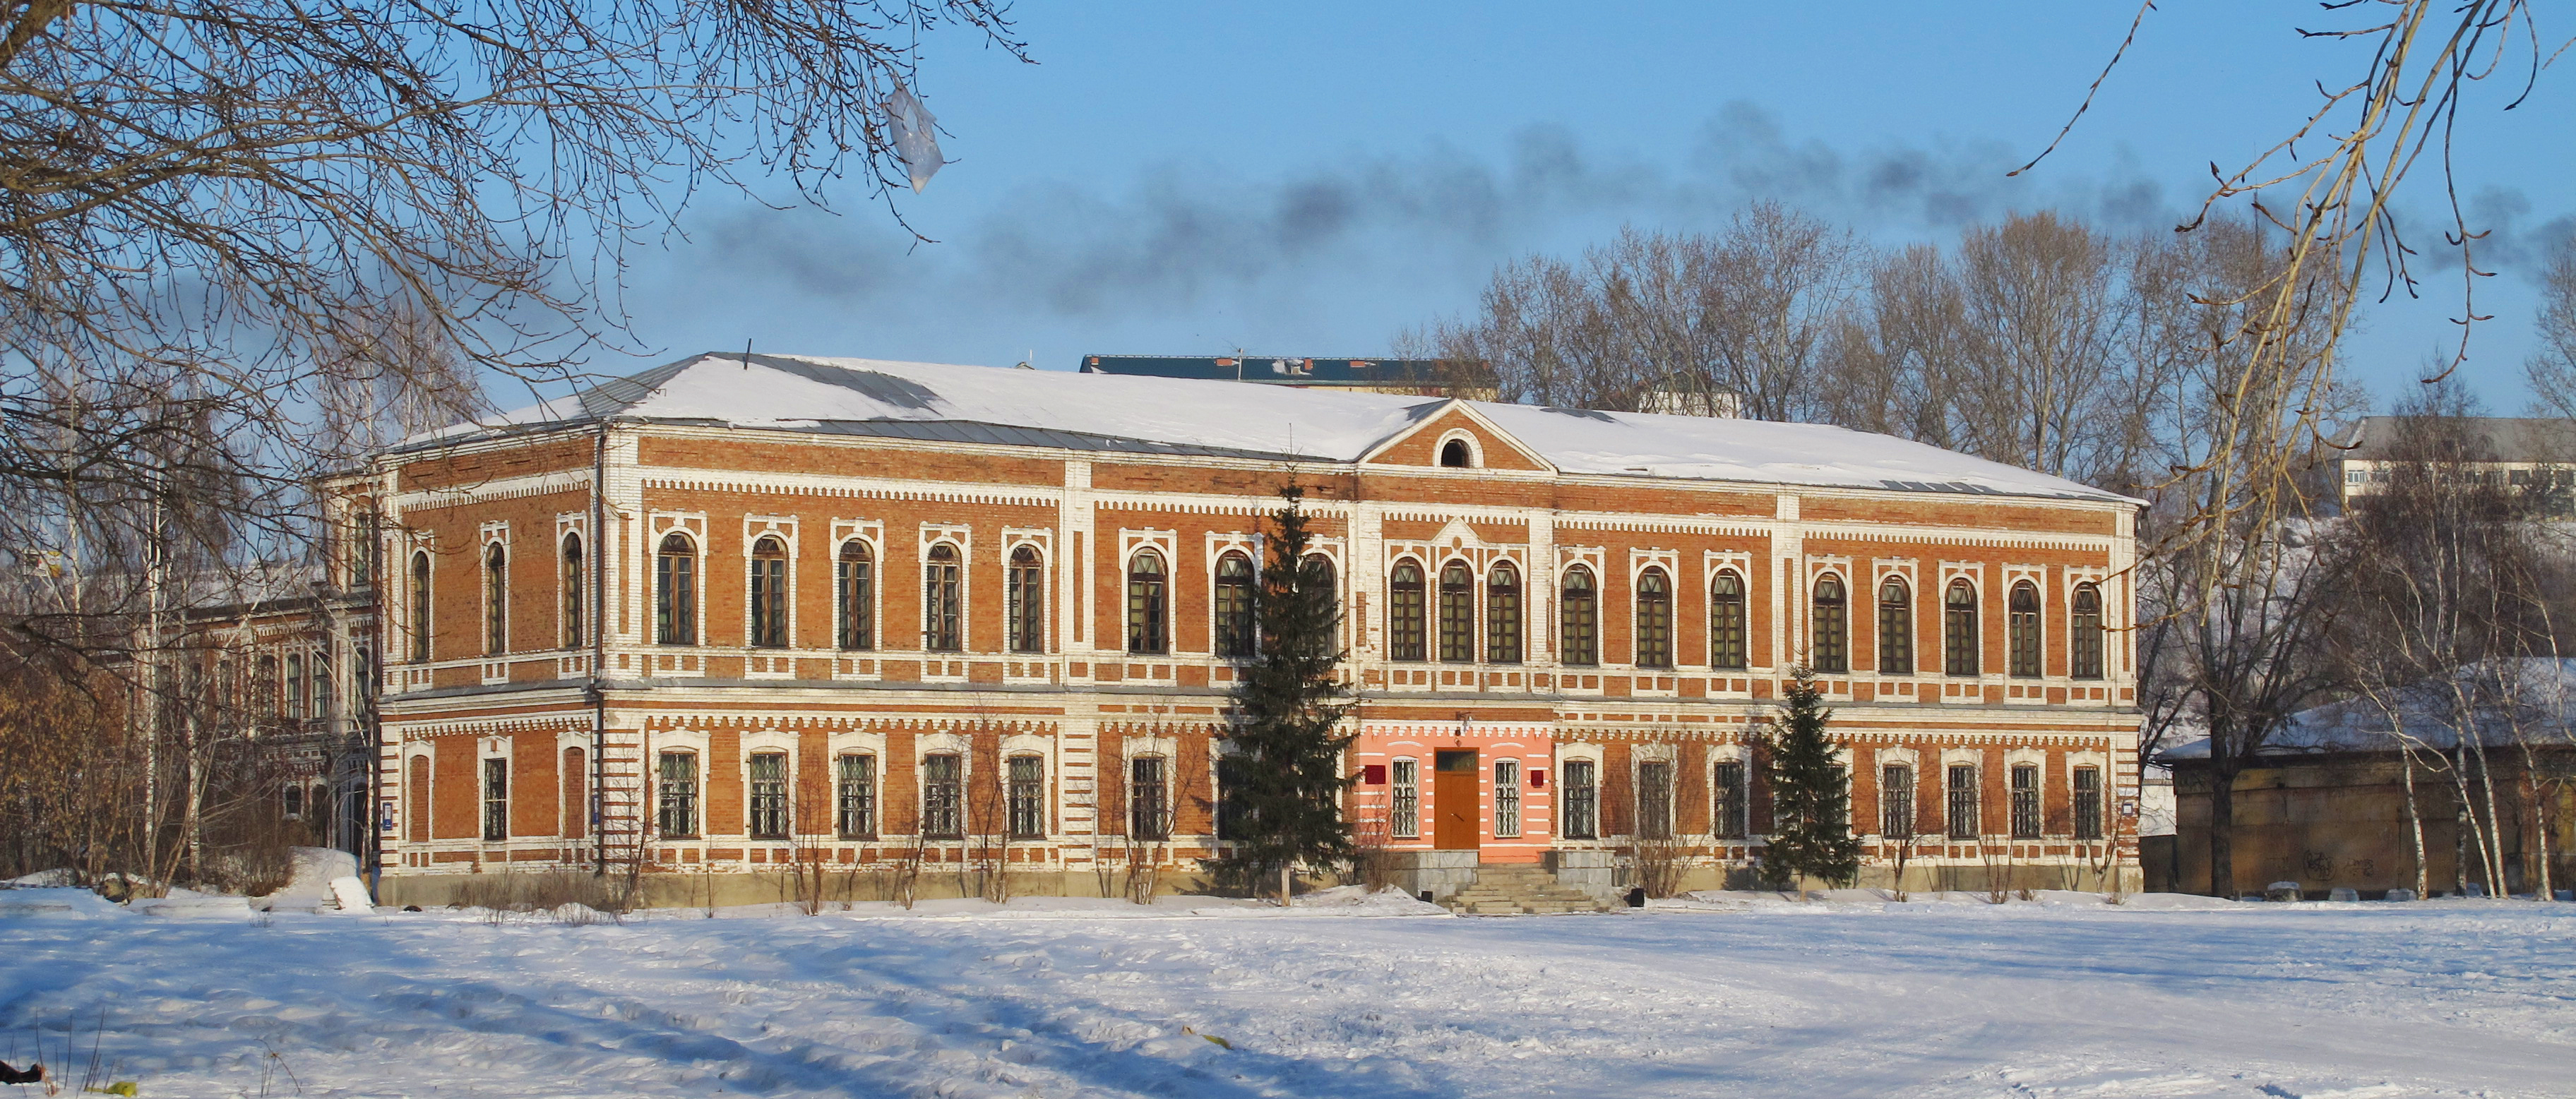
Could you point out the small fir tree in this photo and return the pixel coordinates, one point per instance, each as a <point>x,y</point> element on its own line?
<point>1284,800</point>
<point>1810,807</point>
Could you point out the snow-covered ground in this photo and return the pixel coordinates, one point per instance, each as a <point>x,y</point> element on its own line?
<point>1727,995</point>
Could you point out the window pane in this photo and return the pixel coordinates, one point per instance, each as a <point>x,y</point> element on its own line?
<point>1654,800</point>
<point>678,796</point>
<point>942,792</point>
<point>855,578</point>
<point>942,619</point>
<point>1577,619</point>
<point>1147,612</point>
<point>1959,630</point>
<point>1503,616</point>
<point>1895,629</point>
<point>1829,650</point>
<point>1457,615</point>
<point>1149,817</point>
<point>1726,621</point>
<point>1727,804</point>
<point>675,588</point>
<point>2088,803</point>
<point>496,799</point>
<point>2025,802</point>
<point>1582,796</point>
<point>1507,797</point>
<point>1404,624</point>
<point>856,799</point>
<point>1027,798</point>
<point>2084,634</point>
<point>1964,821</point>
<point>1404,809</point>
<point>1024,602</point>
<point>2022,624</point>
<point>768,808</point>
<point>1654,620</point>
<point>1896,802</point>
<point>1233,620</point>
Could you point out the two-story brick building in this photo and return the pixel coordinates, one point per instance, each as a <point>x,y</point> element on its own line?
<point>744,612</point>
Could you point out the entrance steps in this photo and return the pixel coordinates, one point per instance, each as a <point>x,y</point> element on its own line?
<point>1520,890</point>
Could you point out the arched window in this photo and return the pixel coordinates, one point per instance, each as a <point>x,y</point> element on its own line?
<point>1578,618</point>
<point>766,810</point>
<point>1457,614</point>
<point>1654,620</point>
<point>1829,650</point>
<point>294,687</point>
<point>1456,454</point>
<point>1148,604</point>
<point>420,607</point>
<point>2021,627</point>
<point>1404,612</point>
<point>1024,602</point>
<point>854,583</point>
<point>2084,634</point>
<point>675,591</point>
<point>943,619</point>
<point>323,704</point>
<point>855,796</point>
<point>1319,576</point>
<point>1149,814</point>
<point>365,677</point>
<point>574,581</point>
<point>1234,633</point>
<point>769,593</point>
<point>1024,797</point>
<point>1726,620</point>
<point>1503,614</point>
<point>1895,628</point>
<point>675,802</point>
<point>1959,629</point>
<point>496,600</point>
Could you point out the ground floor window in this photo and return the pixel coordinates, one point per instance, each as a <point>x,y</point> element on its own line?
<point>1582,794</point>
<point>2088,803</point>
<point>677,800</point>
<point>1896,801</point>
<point>2025,801</point>
<point>942,795</point>
<point>1507,797</point>
<point>855,800</point>
<point>496,799</point>
<point>1147,818</point>
<point>1404,809</point>
<point>1964,824</point>
<point>1655,800</point>
<point>1027,797</point>
<point>768,807</point>
<point>1231,812</point>
<point>1727,805</point>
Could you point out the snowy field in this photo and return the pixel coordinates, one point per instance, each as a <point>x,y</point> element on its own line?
<point>1918,999</point>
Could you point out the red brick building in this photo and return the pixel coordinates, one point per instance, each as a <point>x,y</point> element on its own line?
<point>744,612</point>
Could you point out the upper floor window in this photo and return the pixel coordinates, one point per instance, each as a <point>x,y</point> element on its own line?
<point>575,582</point>
<point>1148,604</point>
<point>1404,612</point>
<point>854,582</point>
<point>675,591</point>
<point>2084,633</point>
<point>1503,614</point>
<point>943,617</point>
<point>1959,629</point>
<point>1830,649</point>
<point>420,606</point>
<point>362,546</point>
<point>1895,628</point>
<point>1456,454</point>
<point>496,600</point>
<point>1578,618</point>
<point>1319,574</point>
<point>1024,602</point>
<point>294,687</point>
<point>2022,629</point>
<point>1726,620</point>
<point>1234,629</point>
<point>1654,620</point>
<point>1457,614</point>
<point>769,593</point>
<point>323,705</point>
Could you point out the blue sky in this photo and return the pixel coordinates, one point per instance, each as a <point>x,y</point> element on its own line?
<point>1312,178</point>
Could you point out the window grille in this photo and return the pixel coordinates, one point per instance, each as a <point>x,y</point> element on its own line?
<point>855,799</point>
<point>942,797</point>
<point>1964,824</point>
<point>1507,798</point>
<point>1148,819</point>
<point>1654,800</point>
<point>2084,634</point>
<point>2088,803</point>
<point>1234,626</point>
<point>1582,798</point>
<point>574,591</point>
<point>496,799</point>
<point>1896,801</point>
<point>1024,602</point>
<point>675,592</point>
<point>1404,612</point>
<point>855,579</point>
<point>1028,798</point>
<point>1727,800</point>
<point>943,618</point>
<point>1147,589</point>
<point>1457,615</point>
<point>496,600</point>
<point>1404,811</point>
<point>2022,624</point>
<point>1895,629</point>
<point>1726,621</point>
<point>769,594</point>
<point>678,800</point>
<point>1829,650</point>
<point>1654,620</point>
<point>2025,802</point>
<point>768,807</point>
<point>1578,619</point>
<point>1959,629</point>
<point>1503,615</point>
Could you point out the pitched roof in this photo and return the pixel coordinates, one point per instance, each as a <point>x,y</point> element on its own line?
<point>2533,696</point>
<point>2496,438</point>
<point>1178,416</point>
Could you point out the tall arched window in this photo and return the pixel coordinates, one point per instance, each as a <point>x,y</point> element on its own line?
<point>496,600</point>
<point>1829,650</point>
<point>1024,602</point>
<point>1726,620</point>
<point>294,687</point>
<point>323,704</point>
<point>1654,620</point>
<point>575,580</point>
<point>2084,634</point>
<point>1503,614</point>
<point>1895,628</point>
<point>1578,618</point>
<point>1457,614</point>
<point>854,584</point>
<point>420,606</point>
<point>364,678</point>
<point>1320,576</point>
<point>1148,604</point>
<point>2021,627</point>
<point>1959,629</point>
<point>1404,612</point>
<point>1234,633</point>
<point>943,618</point>
<point>675,591</point>
<point>769,593</point>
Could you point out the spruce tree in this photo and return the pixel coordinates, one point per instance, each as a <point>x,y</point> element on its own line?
<point>1284,803</point>
<point>1810,806</point>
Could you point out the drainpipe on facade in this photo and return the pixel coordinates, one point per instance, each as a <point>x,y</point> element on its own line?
<point>596,691</point>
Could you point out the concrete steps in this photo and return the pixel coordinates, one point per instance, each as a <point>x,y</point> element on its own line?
<point>1520,890</point>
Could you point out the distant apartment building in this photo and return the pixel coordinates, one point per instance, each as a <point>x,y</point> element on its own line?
<point>2536,455</point>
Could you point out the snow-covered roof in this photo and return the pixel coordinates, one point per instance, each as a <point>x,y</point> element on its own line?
<point>2532,697</point>
<point>1166,416</point>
